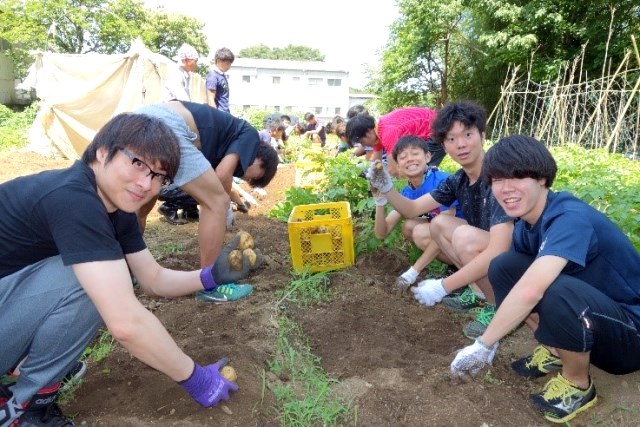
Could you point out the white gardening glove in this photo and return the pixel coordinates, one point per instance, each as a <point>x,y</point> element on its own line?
<point>261,192</point>
<point>472,359</point>
<point>429,292</point>
<point>379,178</point>
<point>407,279</point>
<point>230,218</point>
<point>378,196</point>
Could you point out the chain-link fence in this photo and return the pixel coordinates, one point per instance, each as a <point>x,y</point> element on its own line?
<point>598,113</point>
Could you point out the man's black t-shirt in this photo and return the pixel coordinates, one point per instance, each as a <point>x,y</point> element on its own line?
<point>59,212</point>
<point>480,207</point>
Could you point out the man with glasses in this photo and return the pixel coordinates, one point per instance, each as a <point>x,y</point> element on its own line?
<point>69,240</point>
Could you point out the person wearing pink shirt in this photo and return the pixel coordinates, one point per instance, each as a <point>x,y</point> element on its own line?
<point>391,127</point>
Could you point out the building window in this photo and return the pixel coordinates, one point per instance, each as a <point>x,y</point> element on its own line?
<point>317,110</point>
<point>246,79</point>
<point>315,81</point>
<point>276,80</point>
<point>276,108</point>
<point>337,111</point>
<point>334,82</point>
<point>296,79</point>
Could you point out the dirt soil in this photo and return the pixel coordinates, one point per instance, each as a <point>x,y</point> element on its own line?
<point>390,354</point>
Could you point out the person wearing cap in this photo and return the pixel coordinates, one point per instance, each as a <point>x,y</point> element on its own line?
<point>412,155</point>
<point>416,121</point>
<point>214,147</point>
<point>217,80</point>
<point>178,79</point>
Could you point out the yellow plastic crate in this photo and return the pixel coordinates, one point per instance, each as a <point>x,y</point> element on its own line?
<point>321,236</point>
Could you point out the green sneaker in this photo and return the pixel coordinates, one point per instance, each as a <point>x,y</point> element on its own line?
<point>538,364</point>
<point>225,293</point>
<point>463,302</point>
<point>476,328</point>
<point>561,400</point>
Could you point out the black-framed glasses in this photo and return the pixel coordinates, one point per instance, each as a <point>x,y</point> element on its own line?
<point>144,168</point>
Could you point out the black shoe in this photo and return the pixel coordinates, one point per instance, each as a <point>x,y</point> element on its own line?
<point>172,217</point>
<point>191,214</point>
<point>48,416</point>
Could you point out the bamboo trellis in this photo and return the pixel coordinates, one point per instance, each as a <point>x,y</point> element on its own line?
<point>597,113</point>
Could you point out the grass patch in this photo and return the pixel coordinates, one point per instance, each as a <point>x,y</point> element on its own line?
<point>306,290</point>
<point>303,391</point>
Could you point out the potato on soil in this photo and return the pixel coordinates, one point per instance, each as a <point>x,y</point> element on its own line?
<point>246,241</point>
<point>251,255</point>
<point>229,373</point>
<point>235,259</point>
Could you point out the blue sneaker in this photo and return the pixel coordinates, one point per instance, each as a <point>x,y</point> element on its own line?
<point>225,293</point>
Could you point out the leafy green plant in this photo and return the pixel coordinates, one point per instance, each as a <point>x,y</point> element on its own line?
<point>100,348</point>
<point>14,126</point>
<point>294,196</point>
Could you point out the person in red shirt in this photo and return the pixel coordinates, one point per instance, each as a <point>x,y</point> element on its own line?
<point>391,127</point>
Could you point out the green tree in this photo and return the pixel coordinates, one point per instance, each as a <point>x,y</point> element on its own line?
<point>441,50</point>
<point>290,52</point>
<point>101,26</point>
<point>424,48</point>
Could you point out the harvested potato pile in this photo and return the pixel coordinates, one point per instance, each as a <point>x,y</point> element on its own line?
<point>251,255</point>
<point>246,241</point>
<point>235,259</point>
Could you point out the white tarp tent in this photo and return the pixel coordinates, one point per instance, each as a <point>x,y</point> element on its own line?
<point>80,93</point>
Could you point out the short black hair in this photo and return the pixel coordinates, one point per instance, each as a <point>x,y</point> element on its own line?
<point>147,136</point>
<point>269,158</point>
<point>468,113</point>
<point>354,110</point>
<point>519,156</point>
<point>224,54</point>
<point>406,142</point>
<point>308,116</point>
<point>358,126</point>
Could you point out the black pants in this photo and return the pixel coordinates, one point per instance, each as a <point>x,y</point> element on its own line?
<point>574,316</point>
<point>178,199</point>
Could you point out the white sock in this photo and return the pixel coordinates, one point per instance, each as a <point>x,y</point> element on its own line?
<point>410,275</point>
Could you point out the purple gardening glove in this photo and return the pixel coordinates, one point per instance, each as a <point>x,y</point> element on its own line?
<point>220,272</point>
<point>207,386</point>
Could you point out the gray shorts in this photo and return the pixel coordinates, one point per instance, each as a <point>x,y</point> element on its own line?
<point>192,161</point>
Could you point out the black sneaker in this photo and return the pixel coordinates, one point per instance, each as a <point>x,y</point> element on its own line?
<point>10,410</point>
<point>48,416</point>
<point>172,217</point>
<point>191,214</point>
<point>537,364</point>
<point>77,372</point>
<point>561,400</point>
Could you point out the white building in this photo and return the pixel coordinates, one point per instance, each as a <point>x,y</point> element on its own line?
<point>292,86</point>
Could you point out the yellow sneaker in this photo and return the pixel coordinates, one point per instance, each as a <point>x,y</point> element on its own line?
<point>561,400</point>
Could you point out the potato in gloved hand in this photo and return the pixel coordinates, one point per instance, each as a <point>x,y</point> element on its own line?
<point>254,256</point>
<point>246,241</point>
<point>235,259</point>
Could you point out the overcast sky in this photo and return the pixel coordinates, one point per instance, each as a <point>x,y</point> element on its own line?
<point>349,33</point>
